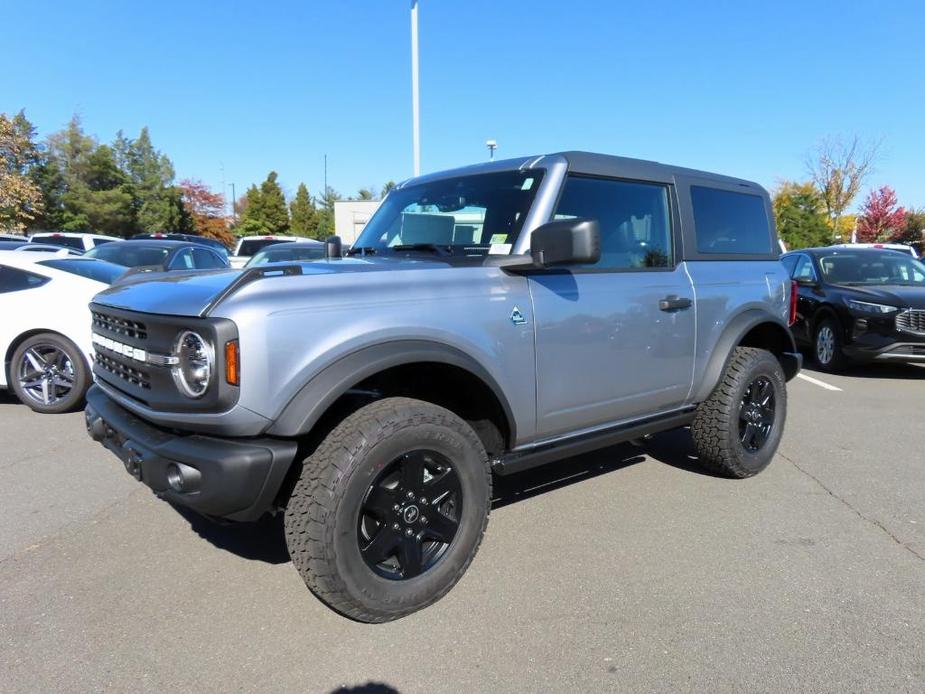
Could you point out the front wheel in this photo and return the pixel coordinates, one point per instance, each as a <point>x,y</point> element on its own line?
<point>49,374</point>
<point>736,431</point>
<point>389,510</point>
<point>827,346</point>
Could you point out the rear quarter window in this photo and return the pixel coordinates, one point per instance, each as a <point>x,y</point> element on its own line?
<point>728,222</point>
<point>15,280</point>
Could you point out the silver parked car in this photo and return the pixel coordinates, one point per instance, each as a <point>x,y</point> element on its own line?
<point>488,319</point>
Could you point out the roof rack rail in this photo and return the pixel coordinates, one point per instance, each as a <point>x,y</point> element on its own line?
<point>246,277</point>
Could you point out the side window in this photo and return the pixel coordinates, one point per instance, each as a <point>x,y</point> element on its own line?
<point>182,261</point>
<point>790,262</point>
<point>634,219</point>
<point>730,222</point>
<point>206,260</point>
<point>804,270</point>
<point>15,280</point>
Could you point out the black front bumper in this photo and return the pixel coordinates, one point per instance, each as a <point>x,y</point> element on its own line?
<point>236,479</point>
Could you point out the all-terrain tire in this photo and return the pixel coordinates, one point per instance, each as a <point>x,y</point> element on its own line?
<point>54,359</point>
<point>716,427</point>
<point>324,510</point>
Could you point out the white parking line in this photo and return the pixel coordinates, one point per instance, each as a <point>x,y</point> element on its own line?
<point>817,382</point>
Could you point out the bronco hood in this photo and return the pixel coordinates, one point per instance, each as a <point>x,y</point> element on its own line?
<point>192,293</point>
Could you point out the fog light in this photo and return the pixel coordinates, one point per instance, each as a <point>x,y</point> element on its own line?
<point>183,478</point>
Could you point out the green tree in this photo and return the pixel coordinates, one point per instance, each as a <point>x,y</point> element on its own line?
<point>303,213</point>
<point>252,217</point>
<point>158,202</point>
<point>388,188</point>
<point>365,194</point>
<point>800,216</point>
<point>914,229</point>
<point>275,213</point>
<point>21,199</point>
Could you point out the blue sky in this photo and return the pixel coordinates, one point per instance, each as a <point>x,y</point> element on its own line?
<point>743,88</point>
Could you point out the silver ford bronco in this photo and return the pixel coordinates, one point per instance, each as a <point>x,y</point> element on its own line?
<point>488,319</point>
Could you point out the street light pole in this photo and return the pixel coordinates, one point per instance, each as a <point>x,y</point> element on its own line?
<point>415,98</point>
<point>234,201</point>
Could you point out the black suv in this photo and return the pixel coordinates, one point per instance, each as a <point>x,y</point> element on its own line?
<point>858,305</point>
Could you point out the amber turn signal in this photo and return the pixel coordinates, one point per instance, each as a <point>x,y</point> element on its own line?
<point>232,363</point>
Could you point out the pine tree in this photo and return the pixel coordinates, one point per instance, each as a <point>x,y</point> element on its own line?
<point>800,216</point>
<point>303,213</point>
<point>275,213</point>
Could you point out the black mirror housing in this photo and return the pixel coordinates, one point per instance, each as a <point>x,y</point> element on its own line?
<point>333,248</point>
<point>566,242</point>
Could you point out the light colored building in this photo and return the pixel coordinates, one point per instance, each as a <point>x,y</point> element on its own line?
<point>350,217</point>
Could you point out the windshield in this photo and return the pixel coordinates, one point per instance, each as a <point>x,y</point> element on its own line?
<point>129,254</point>
<point>306,251</point>
<point>251,246</point>
<point>872,268</point>
<point>98,270</point>
<point>63,241</point>
<point>463,216</point>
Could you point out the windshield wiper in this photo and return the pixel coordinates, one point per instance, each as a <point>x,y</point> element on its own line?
<point>362,250</point>
<point>430,247</point>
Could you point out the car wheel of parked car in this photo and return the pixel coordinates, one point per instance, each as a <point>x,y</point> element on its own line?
<point>736,431</point>
<point>390,509</point>
<point>827,346</point>
<point>49,374</point>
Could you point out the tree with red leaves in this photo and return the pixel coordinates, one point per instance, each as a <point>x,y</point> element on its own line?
<point>881,219</point>
<point>207,210</point>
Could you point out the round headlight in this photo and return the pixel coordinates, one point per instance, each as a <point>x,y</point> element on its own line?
<point>194,368</point>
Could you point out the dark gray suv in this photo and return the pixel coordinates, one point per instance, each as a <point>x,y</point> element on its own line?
<point>489,319</point>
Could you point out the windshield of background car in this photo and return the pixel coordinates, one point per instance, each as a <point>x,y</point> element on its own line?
<point>462,216</point>
<point>129,254</point>
<point>872,268</point>
<point>63,241</point>
<point>98,270</point>
<point>308,251</point>
<point>251,246</point>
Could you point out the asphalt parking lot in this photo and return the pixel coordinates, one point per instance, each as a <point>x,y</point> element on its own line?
<point>624,570</point>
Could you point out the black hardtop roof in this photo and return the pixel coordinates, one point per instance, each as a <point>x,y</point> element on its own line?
<point>591,163</point>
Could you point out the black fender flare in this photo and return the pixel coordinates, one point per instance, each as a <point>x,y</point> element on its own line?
<point>304,410</point>
<point>738,328</point>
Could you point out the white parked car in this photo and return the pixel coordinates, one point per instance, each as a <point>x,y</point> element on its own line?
<point>901,247</point>
<point>45,326</point>
<point>72,239</point>
<point>250,245</point>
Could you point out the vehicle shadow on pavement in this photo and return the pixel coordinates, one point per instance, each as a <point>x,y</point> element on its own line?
<point>261,541</point>
<point>510,489</point>
<point>884,370</point>
<point>368,688</point>
<point>676,448</point>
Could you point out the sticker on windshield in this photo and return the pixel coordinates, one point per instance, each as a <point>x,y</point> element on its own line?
<point>500,249</point>
<point>499,238</point>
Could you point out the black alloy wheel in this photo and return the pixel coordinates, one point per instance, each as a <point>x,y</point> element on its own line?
<point>410,515</point>
<point>756,414</point>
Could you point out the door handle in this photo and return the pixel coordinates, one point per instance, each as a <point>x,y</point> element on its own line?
<point>674,303</point>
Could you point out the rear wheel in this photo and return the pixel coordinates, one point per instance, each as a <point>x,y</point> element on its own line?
<point>736,431</point>
<point>390,509</point>
<point>49,374</point>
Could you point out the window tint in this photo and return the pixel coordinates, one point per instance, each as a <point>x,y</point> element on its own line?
<point>129,254</point>
<point>206,260</point>
<point>634,220</point>
<point>182,261</point>
<point>804,270</point>
<point>98,270</point>
<point>728,222</point>
<point>790,262</point>
<point>251,246</point>
<point>63,241</point>
<point>15,280</point>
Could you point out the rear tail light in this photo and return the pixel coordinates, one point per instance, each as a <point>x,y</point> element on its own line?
<point>232,363</point>
<point>793,303</point>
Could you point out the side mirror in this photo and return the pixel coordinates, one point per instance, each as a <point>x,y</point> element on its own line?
<point>333,247</point>
<point>566,242</point>
<point>807,282</point>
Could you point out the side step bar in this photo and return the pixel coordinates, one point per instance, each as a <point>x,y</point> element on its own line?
<point>518,461</point>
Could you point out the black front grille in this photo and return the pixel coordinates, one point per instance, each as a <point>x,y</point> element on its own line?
<point>123,371</point>
<point>911,321</point>
<point>120,326</point>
